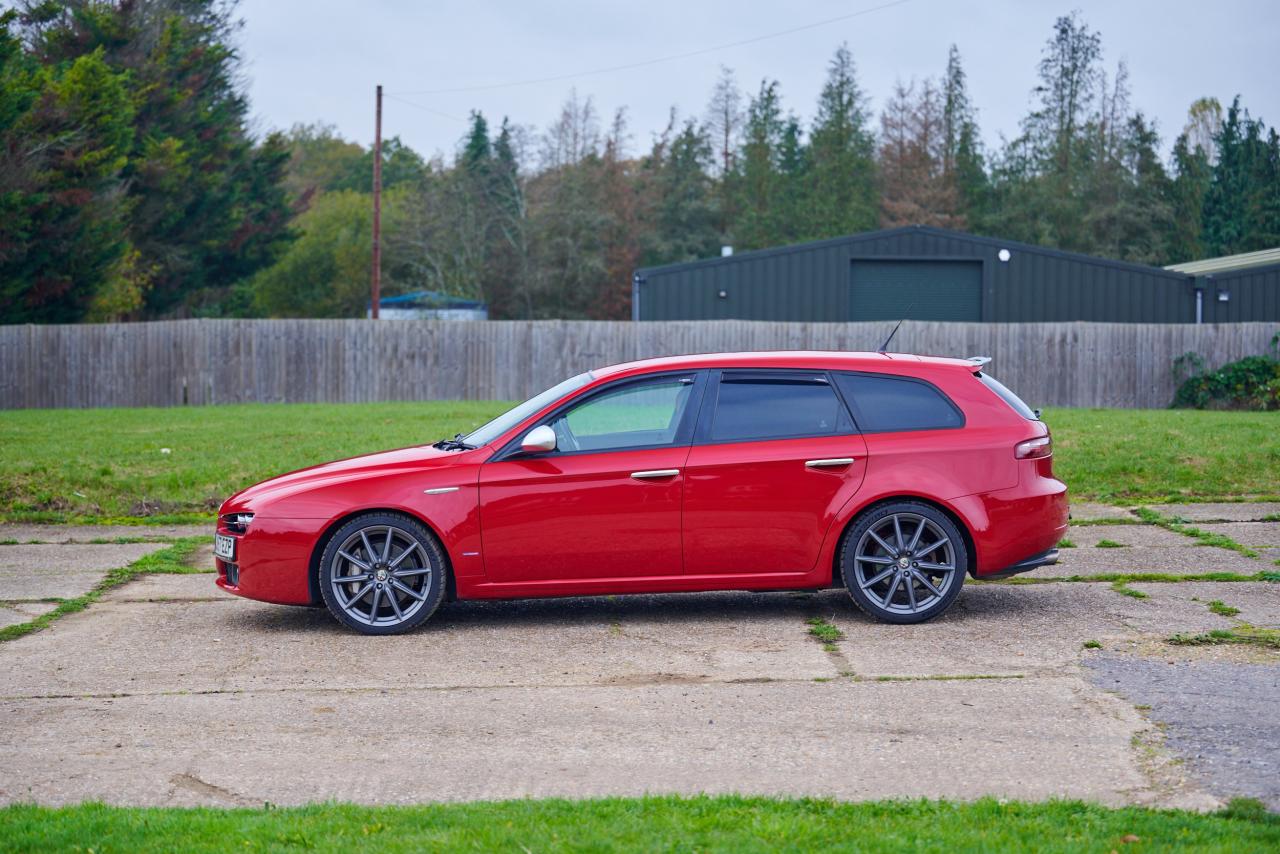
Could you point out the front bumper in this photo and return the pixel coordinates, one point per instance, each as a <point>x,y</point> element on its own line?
<point>1048,558</point>
<point>272,561</point>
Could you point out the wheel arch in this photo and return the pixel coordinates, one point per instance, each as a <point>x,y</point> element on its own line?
<point>971,553</point>
<point>317,550</point>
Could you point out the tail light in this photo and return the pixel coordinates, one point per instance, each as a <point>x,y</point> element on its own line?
<point>1034,449</point>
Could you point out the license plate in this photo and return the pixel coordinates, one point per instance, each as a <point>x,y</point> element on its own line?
<point>224,546</point>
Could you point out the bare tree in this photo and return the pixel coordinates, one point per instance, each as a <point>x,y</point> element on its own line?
<point>724,120</point>
<point>916,187</point>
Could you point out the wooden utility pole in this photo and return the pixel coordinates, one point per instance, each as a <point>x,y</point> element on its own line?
<point>375,283</point>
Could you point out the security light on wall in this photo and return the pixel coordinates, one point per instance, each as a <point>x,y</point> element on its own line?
<point>1224,295</point>
<point>1004,255</point>
<point>723,294</point>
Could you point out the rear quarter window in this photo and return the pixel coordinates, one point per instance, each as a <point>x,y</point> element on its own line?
<point>1015,402</point>
<point>885,404</point>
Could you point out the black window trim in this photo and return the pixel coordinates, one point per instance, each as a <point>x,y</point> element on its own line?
<point>789,376</point>
<point>857,412</point>
<point>684,432</point>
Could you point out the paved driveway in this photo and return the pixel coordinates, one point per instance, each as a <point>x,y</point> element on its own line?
<point>169,692</point>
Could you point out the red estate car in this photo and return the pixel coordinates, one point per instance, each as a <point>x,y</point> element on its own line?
<point>894,475</point>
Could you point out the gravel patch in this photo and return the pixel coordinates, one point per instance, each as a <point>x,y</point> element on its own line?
<point>1220,717</point>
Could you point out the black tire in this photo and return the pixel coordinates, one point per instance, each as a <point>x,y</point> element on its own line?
<point>374,549</point>
<point>900,538</point>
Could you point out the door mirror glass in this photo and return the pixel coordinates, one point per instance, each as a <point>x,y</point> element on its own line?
<point>539,439</point>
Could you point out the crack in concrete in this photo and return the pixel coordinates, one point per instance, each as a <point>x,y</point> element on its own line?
<point>192,783</point>
<point>620,682</point>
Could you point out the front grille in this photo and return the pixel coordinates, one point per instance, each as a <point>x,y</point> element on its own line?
<point>237,522</point>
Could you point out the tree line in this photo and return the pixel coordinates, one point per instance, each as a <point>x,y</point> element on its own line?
<point>131,186</point>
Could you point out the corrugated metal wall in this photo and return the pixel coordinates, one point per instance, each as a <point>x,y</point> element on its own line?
<point>1254,294</point>
<point>811,282</point>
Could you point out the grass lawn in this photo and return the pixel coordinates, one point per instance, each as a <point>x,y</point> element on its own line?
<point>111,463</point>
<point>726,823</point>
<point>1178,454</point>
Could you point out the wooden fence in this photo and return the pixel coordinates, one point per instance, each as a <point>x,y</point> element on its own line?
<point>172,363</point>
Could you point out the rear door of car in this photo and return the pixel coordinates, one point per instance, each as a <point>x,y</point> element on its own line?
<point>775,457</point>
<point>920,440</point>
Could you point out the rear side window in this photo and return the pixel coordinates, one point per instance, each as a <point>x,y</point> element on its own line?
<point>762,408</point>
<point>1015,402</point>
<point>883,404</point>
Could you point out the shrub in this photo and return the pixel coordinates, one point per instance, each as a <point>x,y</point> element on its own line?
<point>1249,383</point>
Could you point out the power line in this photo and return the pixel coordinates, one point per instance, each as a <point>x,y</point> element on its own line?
<point>424,108</point>
<point>648,62</point>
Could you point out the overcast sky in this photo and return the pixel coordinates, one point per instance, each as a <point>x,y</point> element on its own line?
<point>319,60</point>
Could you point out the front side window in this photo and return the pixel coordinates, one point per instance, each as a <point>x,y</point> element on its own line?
<point>504,422</point>
<point>761,408</point>
<point>885,404</point>
<point>634,416</point>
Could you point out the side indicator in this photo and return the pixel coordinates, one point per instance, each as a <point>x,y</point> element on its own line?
<point>440,490</point>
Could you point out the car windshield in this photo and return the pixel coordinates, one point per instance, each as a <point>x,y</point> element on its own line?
<point>504,422</point>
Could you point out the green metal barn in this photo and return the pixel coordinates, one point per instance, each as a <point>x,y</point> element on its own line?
<point>924,273</point>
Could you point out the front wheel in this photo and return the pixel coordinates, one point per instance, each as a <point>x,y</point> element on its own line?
<point>382,574</point>
<point>904,562</point>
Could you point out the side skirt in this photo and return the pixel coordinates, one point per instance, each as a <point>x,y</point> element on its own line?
<point>657,584</point>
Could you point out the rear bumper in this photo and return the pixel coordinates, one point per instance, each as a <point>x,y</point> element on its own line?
<point>1048,558</point>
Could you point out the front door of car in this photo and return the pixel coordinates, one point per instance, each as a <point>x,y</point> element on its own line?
<point>775,457</point>
<point>606,502</point>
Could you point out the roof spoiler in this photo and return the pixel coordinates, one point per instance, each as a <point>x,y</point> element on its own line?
<point>980,361</point>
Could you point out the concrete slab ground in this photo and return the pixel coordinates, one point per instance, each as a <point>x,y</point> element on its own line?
<point>1225,512</point>
<point>1259,602</point>
<point>1189,559</point>
<point>196,587</point>
<point>1085,511</point>
<point>1148,536</point>
<point>1254,534</point>
<point>61,571</point>
<point>14,613</point>
<point>25,533</point>
<point>1002,629</point>
<point>841,739</point>
<point>168,691</point>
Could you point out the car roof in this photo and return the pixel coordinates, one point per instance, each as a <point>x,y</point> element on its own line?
<point>838,360</point>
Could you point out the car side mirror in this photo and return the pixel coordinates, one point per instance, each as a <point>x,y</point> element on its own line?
<point>539,439</point>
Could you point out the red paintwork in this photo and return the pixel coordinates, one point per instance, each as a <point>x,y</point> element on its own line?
<point>742,515</point>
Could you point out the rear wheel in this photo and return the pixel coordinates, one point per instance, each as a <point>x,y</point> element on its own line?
<point>904,562</point>
<point>382,574</point>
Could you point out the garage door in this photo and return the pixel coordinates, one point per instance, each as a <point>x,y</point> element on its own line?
<point>916,290</point>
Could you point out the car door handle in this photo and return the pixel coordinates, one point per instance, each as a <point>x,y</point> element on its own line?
<point>831,463</point>
<point>654,473</point>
